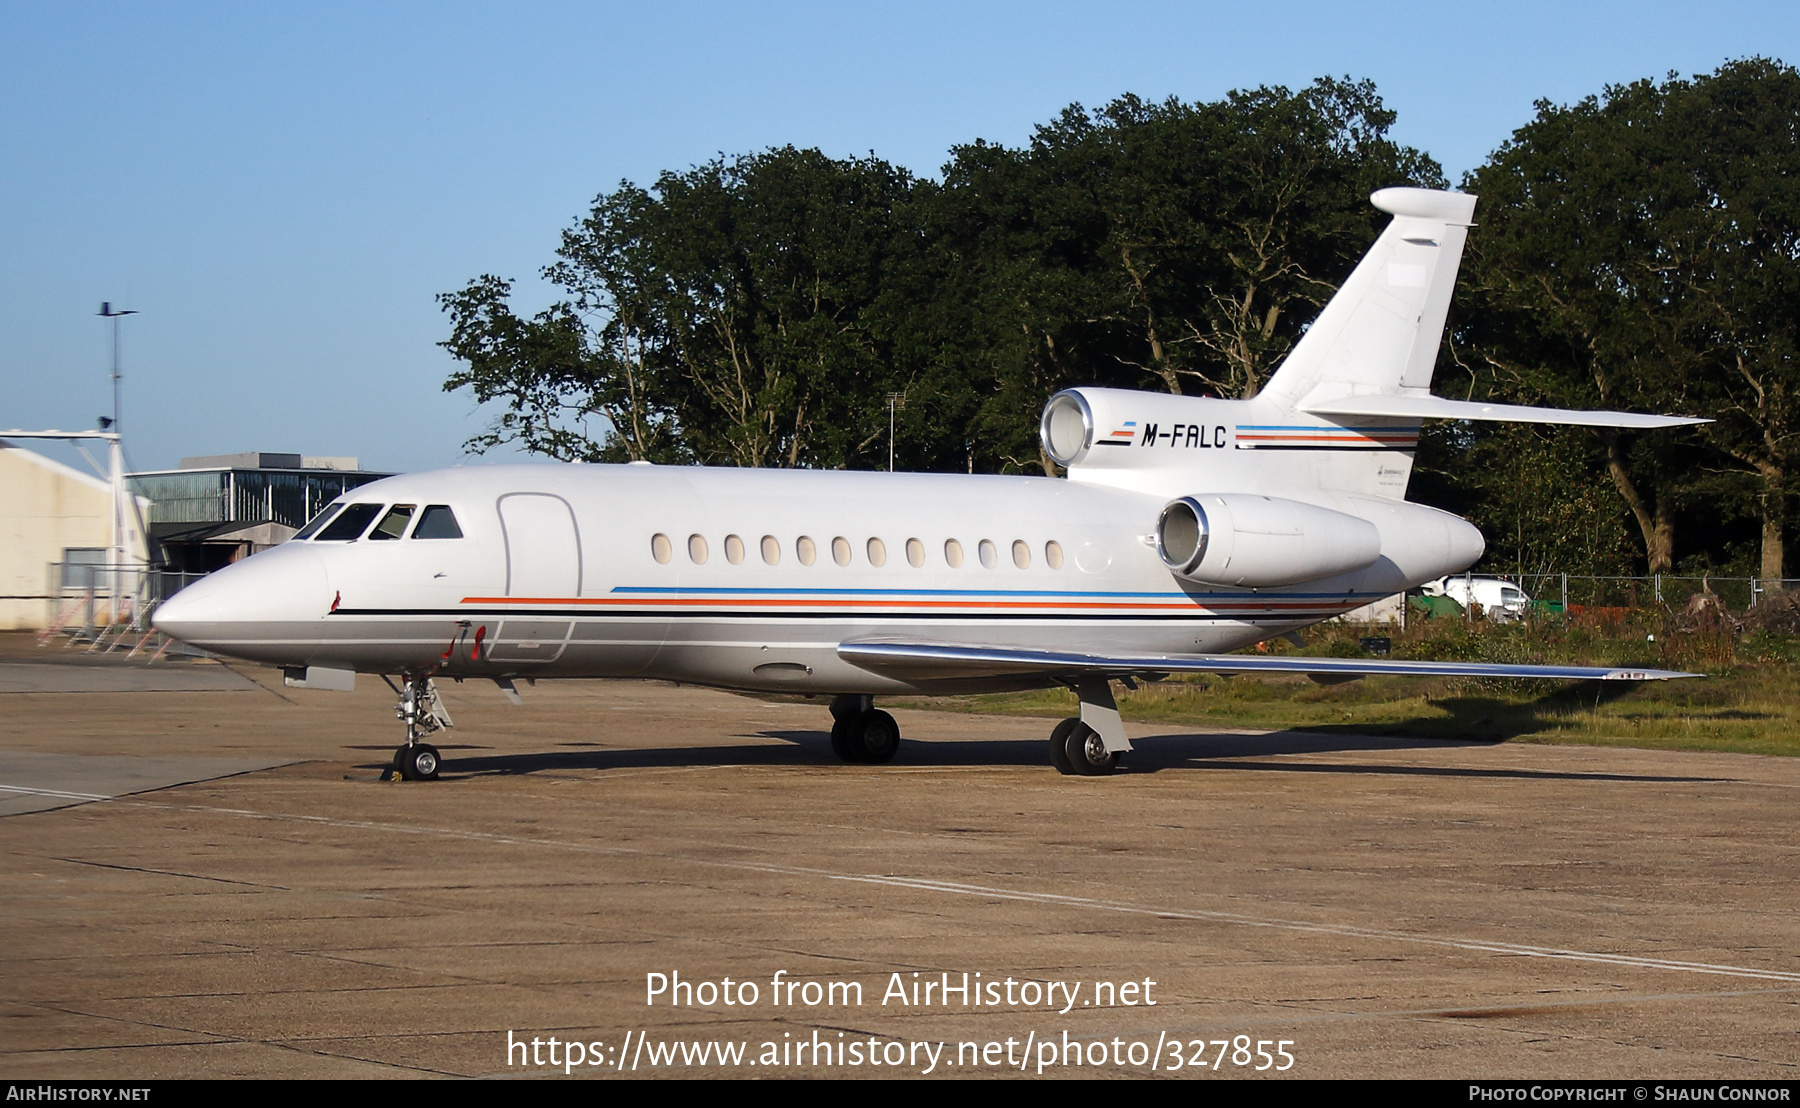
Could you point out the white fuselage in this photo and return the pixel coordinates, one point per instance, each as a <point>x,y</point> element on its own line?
<point>697,574</point>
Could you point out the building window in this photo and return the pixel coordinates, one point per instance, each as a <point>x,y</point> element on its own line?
<point>82,566</point>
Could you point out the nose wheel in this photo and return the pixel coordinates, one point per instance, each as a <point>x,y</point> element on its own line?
<point>417,762</point>
<point>423,712</point>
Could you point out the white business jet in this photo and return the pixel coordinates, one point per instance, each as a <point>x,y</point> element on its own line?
<point>1187,527</point>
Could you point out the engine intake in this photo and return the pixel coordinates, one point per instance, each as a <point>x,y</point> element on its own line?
<point>1255,541</point>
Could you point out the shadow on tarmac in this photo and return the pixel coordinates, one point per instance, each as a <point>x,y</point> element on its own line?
<point>1151,754</point>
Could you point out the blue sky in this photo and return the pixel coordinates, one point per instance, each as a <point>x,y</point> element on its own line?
<point>282,192</point>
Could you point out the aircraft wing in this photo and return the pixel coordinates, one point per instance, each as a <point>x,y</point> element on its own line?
<point>945,661</point>
<point>1436,407</point>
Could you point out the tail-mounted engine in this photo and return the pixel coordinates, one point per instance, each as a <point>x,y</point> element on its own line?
<point>1254,541</point>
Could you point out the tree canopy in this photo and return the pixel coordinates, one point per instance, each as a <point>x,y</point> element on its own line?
<point>1639,249</point>
<point>760,310</point>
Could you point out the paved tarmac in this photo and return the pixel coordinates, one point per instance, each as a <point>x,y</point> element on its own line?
<point>1378,907</point>
<point>75,675</point>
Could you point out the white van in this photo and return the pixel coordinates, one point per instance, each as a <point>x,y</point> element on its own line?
<point>1498,598</point>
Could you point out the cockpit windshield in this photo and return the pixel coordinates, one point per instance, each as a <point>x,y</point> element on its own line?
<point>393,525</point>
<point>318,521</point>
<point>350,523</point>
<point>437,522</point>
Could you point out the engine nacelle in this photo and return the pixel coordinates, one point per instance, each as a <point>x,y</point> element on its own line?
<point>1254,541</point>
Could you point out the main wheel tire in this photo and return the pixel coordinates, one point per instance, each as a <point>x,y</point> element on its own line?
<point>1087,752</point>
<point>1059,745</point>
<point>873,737</point>
<point>419,762</point>
<point>840,739</point>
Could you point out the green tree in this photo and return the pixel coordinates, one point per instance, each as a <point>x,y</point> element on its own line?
<point>736,314</point>
<point>1168,245</point>
<point>760,310</point>
<point>1641,250</point>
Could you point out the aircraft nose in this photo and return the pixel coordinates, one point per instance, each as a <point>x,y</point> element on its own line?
<point>280,595</point>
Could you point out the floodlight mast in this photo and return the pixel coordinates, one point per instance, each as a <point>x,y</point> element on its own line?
<point>117,457</point>
<point>107,312</point>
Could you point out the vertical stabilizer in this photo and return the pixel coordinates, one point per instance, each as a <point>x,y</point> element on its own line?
<point>1379,335</point>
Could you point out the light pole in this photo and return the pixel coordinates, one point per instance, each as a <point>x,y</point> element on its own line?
<point>117,460</point>
<point>106,312</point>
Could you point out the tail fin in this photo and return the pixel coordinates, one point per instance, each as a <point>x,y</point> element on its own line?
<point>1380,333</point>
<point>1371,351</point>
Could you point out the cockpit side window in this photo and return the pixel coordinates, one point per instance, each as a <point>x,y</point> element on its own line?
<point>437,522</point>
<point>393,525</point>
<point>319,521</point>
<point>350,523</point>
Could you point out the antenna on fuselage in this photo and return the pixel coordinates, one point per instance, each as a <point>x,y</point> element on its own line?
<point>895,400</point>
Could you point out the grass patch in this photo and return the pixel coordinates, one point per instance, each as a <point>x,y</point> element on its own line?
<point>1748,702</point>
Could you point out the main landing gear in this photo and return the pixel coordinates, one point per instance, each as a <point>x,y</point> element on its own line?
<point>860,733</point>
<point>423,712</point>
<point>1089,745</point>
<point>1078,750</point>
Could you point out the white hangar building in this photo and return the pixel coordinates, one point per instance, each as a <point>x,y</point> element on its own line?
<point>55,529</point>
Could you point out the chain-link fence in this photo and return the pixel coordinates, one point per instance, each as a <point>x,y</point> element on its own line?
<point>1574,592</point>
<point>87,598</point>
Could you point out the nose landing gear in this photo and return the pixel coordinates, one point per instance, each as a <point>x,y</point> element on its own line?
<point>423,712</point>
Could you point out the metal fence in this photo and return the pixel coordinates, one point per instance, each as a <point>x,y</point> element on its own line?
<point>89,597</point>
<point>1573,592</point>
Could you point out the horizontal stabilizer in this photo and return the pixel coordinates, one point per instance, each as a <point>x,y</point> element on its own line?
<point>1436,407</point>
<point>948,661</point>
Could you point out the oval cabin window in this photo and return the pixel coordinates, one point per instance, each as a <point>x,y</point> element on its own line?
<point>660,549</point>
<point>771,550</point>
<point>953,553</point>
<point>805,550</point>
<point>1021,554</point>
<point>697,549</point>
<point>1053,555</point>
<point>915,553</point>
<point>877,552</point>
<point>734,550</point>
<point>840,550</point>
<point>990,555</point>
